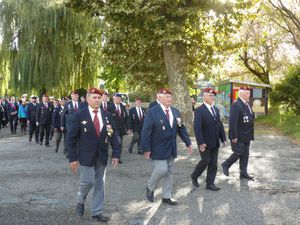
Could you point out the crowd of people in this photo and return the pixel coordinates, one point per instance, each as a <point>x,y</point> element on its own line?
<point>89,126</point>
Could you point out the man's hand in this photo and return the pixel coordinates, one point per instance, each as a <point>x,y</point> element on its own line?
<point>190,149</point>
<point>234,141</point>
<point>202,147</point>
<point>37,124</point>
<point>147,155</point>
<point>224,144</point>
<point>114,162</point>
<point>62,129</point>
<point>74,166</point>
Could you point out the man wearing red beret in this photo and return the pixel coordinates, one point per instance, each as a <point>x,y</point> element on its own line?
<point>209,131</point>
<point>160,129</point>
<point>90,131</point>
<point>241,133</point>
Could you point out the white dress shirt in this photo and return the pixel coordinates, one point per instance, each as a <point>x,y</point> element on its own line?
<point>209,108</point>
<point>170,114</point>
<point>99,116</point>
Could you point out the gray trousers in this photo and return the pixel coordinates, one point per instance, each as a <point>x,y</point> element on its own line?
<point>92,177</point>
<point>163,170</point>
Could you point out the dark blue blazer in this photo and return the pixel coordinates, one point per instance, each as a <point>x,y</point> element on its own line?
<point>82,136</point>
<point>154,103</point>
<point>159,137</point>
<point>83,105</point>
<point>56,117</point>
<point>68,114</point>
<point>10,109</point>
<point>208,130</point>
<point>135,124</point>
<point>31,112</point>
<point>44,115</point>
<point>241,122</point>
<point>120,122</point>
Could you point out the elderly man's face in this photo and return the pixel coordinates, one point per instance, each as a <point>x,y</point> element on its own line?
<point>94,101</point>
<point>245,94</point>
<point>208,98</point>
<point>166,100</point>
<point>117,100</point>
<point>45,99</point>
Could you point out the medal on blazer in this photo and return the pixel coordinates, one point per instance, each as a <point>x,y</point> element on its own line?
<point>109,129</point>
<point>163,127</point>
<point>85,130</point>
<point>84,123</point>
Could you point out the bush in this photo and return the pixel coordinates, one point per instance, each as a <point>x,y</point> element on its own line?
<point>287,93</point>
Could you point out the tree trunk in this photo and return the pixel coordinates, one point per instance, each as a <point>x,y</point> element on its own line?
<point>174,58</point>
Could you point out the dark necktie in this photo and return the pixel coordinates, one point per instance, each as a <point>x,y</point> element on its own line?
<point>104,106</point>
<point>167,114</point>
<point>97,123</point>
<point>76,108</point>
<point>119,110</point>
<point>213,113</point>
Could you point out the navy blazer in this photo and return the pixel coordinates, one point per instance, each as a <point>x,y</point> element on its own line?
<point>241,122</point>
<point>83,105</point>
<point>208,130</point>
<point>10,109</point>
<point>44,115</point>
<point>152,104</point>
<point>82,136</point>
<point>135,124</point>
<point>31,112</point>
<point>159,137</point>
<point>120,122</point>
<point>56,117</point>
<point>68,114</point>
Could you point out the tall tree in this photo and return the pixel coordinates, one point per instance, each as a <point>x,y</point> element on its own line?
<point>158,43</point>
<point>47,47</point>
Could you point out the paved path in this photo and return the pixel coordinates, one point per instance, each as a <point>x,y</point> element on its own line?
<point>37,188</point>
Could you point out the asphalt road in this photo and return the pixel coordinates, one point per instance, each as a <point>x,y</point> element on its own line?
<point>36,187</point>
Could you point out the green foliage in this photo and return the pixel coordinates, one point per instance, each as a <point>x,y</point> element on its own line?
<point>287,92</point>
<point>288,125</point>
<point>47,46</point>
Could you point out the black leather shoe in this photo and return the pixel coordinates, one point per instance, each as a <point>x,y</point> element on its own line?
<point>120,162</point>
<point>195,182</point>
<point>246,176</point>
<point>47,145</point>
<point>41,143</point>
<point>141,153</point>
<point>130,150</point>
<point>225,170</point>
<point>56,150</point>
<point>212,187</point>
<point>29,139</point>
<point>149,195</point>
<point>80,209</point>
<point>169,201</point>
<point>101,217</point>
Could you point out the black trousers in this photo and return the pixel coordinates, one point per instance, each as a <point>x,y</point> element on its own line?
<point>209,159</point>
<point>45,128</point>
<point>136,138</point>
<point>13,121</point>
<point>34,129</point>
<point>241,152</point>
<point>59,135</point>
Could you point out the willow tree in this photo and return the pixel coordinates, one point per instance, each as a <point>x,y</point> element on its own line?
<point>159,43</point>
<point>47,47</point>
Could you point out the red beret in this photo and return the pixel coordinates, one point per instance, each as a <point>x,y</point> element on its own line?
<point>209,90</point>
<point>74,92</point>
<point>245,88</point>
<point>165,91</point>
<point>94,90</point>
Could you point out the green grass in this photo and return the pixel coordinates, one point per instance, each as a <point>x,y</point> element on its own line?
<point>288,126</point>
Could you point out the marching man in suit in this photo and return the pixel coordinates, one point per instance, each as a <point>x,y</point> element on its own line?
<point>12,112</point>
<point>71,107</point>
<point>120,117</point>
<point>160,129</point>
<point>241,133</point>
<point>136,119</point>
<point>44,119</point>
<point>209,131</point>
<point>90,131</point>
<point>31,118</point>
